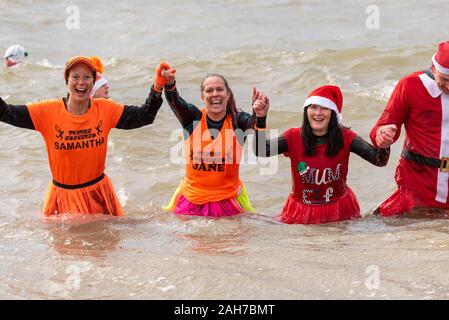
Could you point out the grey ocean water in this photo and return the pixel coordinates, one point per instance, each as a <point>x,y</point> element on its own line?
<point>286,48</point>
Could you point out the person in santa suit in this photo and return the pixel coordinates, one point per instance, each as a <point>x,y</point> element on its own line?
<point>420,102</point>
<point>319,154</point>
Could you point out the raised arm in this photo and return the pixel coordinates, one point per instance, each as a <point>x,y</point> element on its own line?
<point>185,112</point>
<point>261,146</point>
<point>377,156</point>
<point>16,115</point>
<point>135,117</point>
<point>258,118</point>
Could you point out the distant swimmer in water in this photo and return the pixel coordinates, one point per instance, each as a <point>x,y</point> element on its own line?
<point>76,129</point>
<point>319,155</point>
<point>420,102</point>
<point>14,55</point>
<point>101,86</point>
<point>214,136</point>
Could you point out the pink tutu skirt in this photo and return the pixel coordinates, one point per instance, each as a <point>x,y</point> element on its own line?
<point>223,208</point>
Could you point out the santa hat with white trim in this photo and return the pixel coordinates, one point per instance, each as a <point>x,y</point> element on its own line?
<point>329,97</point>
<point>99,82</point>
<point>441,58</point>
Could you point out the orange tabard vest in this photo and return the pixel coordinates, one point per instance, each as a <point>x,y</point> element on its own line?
<point>212,165</point>
<point>76,145</point>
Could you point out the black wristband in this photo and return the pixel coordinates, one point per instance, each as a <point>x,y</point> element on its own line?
<point>170,87</point>
<point>261,122</point>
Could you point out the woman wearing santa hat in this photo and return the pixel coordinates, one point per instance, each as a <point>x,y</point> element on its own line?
<point>101,85</point>
<point>420,102</point>
<point>76,129</point>
<point>319,155</point>
<point>214,136</point>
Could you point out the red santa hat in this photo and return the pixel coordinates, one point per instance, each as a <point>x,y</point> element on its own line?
<point>329,97</point>
<point>441,58</point>
<point>99,82</point>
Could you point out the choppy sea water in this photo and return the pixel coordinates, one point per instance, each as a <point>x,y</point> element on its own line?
<point>286,48</point>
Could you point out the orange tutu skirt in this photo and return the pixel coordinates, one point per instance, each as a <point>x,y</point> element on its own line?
<point>99,198</point>
<point>297,212</point>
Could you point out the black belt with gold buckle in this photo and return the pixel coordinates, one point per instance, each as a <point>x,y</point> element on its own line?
<point>442,164</point>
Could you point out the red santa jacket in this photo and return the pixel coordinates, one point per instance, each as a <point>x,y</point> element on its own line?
<point>418,103</point>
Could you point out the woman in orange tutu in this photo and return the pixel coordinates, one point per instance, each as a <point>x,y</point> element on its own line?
<point>319,154</point>
<point>75,129</point>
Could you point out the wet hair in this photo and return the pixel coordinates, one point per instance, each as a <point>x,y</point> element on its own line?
<point>334,136</point>
<point>231,107</point>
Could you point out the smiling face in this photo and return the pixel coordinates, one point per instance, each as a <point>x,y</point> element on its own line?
<point>319,119</point>
<point>80,82</point>
<point>215,96</point>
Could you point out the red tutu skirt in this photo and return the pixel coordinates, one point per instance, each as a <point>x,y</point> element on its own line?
<point>404,201</point>
<point>297,212</point>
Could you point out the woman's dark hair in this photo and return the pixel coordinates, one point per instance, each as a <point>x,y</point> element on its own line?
<point>231,107</point>
<point>334,136</point>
